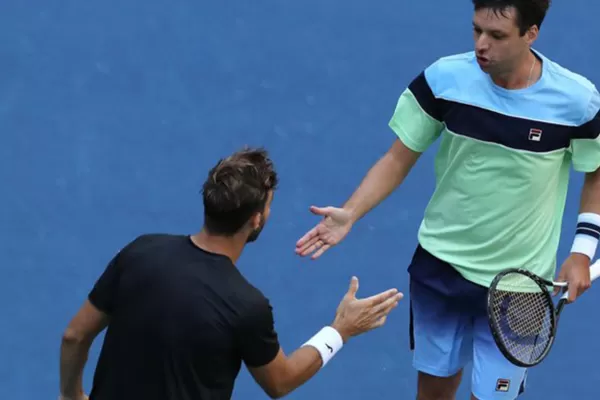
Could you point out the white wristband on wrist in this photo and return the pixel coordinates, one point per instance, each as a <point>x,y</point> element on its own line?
<point>587,235</point>
<point>328,342</point>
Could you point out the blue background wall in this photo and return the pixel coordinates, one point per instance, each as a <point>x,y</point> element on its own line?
<point>111,112</point>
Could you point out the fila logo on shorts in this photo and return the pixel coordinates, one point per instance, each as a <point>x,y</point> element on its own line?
<point>535,135</point>
<point>502,385</point>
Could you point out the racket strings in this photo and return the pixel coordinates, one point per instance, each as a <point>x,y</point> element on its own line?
<point>523,313</point>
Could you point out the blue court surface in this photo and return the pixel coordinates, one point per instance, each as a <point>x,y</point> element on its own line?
<point>111,113</point>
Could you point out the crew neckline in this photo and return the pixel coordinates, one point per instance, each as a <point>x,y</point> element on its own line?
<point>530,89</point>
<point>203,250</point>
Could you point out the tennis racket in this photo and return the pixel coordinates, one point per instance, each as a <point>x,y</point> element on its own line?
<point>522,315</point>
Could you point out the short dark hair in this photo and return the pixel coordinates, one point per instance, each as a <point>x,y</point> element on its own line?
<point>529,12</point>
<point>237,187</point>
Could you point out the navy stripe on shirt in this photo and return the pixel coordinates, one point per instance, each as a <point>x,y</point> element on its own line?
<point>589,130</point>
<point>493,127</point>
<point>512,132</point>
<point>425,97</point>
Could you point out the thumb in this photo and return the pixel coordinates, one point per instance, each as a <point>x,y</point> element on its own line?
<point>353,287</point>
<point>322,211</point>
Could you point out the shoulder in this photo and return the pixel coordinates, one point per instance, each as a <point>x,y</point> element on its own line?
<point>253,298</point>
<point>148,246</point>
<point>570,81</point>
<point>251,303</point>
<point>451,71</point>
<point>573,89</point>
<point>443,79</point>
<point>255,314</point>
<point>144,242</point>
<point>453,63</point>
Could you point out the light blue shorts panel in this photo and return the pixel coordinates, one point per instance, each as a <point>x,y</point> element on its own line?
<point>494,377</point>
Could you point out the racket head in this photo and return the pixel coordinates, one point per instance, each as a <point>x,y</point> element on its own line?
<point>522,316</point>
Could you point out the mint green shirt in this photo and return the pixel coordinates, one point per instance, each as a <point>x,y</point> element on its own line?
<point>502,168</point>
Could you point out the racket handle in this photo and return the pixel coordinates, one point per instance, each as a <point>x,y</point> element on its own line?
<point>594,274</point>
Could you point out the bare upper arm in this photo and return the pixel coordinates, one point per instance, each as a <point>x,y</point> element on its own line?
<point>86,324</point>
<point>271,376</point>
<point>401,152</point>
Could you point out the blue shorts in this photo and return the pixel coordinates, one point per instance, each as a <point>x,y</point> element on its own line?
<point>449,328</point>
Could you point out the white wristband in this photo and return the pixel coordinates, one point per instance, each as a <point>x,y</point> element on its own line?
<point>328,342</point>
<point>587,235</point>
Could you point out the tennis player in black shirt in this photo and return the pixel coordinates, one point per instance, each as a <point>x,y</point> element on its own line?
<point>181,318</point>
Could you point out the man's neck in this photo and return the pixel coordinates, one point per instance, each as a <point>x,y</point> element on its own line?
<point>231,247</point>
<point>525,75</point>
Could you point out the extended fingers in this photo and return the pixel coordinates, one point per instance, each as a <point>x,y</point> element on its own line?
<point>308,238</point>
<point>381,297</point>
<point>380,322</point>
<point>314,244</point>
<point>388,304</point>
<point>322,250</point>
<point>382,311</point>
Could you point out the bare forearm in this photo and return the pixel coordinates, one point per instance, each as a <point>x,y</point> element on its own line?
<point>381,180</point>
<point>588,222</point>
<point>301,365</point>
<point>287,373</point>
<point>73,356</point>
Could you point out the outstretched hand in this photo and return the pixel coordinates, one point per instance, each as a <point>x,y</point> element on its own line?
<point>357,316</point>
<point>332,229</point>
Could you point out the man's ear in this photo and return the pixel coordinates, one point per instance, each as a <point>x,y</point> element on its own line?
<point>531,35</point>
<point>255,220</point>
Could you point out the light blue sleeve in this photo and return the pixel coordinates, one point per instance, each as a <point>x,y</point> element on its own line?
<point>585,144</point>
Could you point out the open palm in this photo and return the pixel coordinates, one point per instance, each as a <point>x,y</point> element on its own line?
<point>335,225</point>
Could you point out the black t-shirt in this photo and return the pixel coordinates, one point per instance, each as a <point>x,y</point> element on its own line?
<point>182,320</point>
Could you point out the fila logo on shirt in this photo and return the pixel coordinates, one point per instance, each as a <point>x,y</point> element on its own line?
<point>535,135</point>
